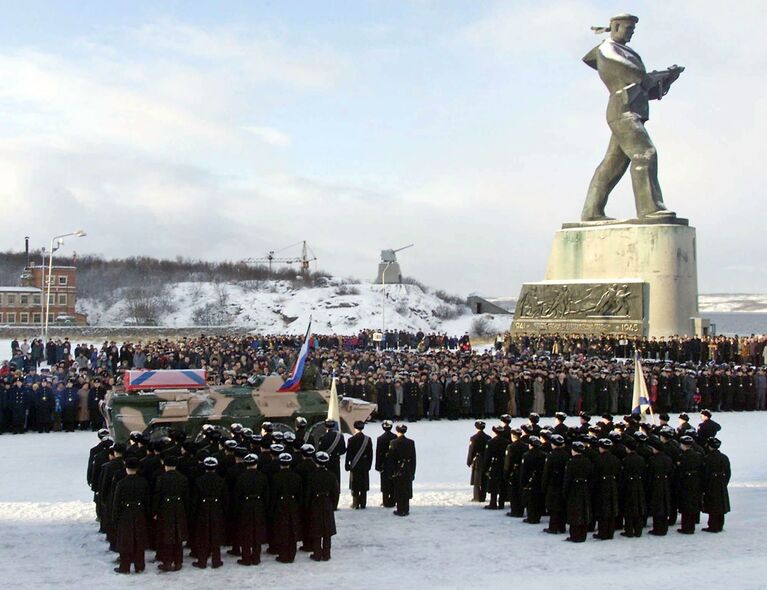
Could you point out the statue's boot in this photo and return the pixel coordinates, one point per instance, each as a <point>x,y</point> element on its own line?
<point>660,214</point>
<point>596,200</point>
<point>587,217</point>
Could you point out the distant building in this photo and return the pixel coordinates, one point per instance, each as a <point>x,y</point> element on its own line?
<point>480,305</point>
<point>20,305</point>
<point>23,305</point>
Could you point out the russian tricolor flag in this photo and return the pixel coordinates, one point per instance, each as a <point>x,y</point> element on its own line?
<point>640,405</point>
<point>293,382</point>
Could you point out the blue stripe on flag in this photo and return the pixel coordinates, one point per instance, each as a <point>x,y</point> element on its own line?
<point>298,369</point>
<point>194,377</point>
<point>143,377</point>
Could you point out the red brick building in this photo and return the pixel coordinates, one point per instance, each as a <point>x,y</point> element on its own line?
<point>23,305</point>
<point>20,306</point>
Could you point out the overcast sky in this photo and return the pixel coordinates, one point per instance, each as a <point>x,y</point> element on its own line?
<point>221,130</point>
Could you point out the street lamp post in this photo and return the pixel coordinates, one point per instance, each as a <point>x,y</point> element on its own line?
<point>60,241</point>
<point>383,302</point>
<point>42,294</point>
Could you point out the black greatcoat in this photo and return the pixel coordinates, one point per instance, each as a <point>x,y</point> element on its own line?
<point>511,463</point>
<point>286,494</point>
<point>359,474</point>
<point>409,400</point>
<point>233,471</point>
<point>251,500</point>
<point>530,475</point>
<point>633,486</point>
<point>111,473</point>
<point>660,470</point>
<point>689,472</point>
<point>382,448</point>
<point>304,466</point>
<point>553,480</point>
<point>493,462</point>
<point>44,404</point>
<point>707,429</point>
<point>401,462</point>
<point>101,451</point>
<point>578,472</point>
<point>385,398</point>
<point>716,476</point>
<point>209,503</point>
<point>382,451</point>
<point>171,505</point>
<point>334,444</point>
<point>606,471</point>
<point>476,459</point>
<point>322,489</point>
<point>130,508</point>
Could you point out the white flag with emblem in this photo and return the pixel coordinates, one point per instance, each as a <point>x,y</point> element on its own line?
<point>334,412</point>
<point>641,403</point>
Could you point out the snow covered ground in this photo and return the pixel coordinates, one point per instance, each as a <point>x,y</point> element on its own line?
<point>50,538</point>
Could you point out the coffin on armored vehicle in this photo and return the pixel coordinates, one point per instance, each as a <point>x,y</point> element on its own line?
<point>152,402</point>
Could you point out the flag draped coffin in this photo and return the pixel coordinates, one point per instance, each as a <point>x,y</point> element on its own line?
<point>165,379</point>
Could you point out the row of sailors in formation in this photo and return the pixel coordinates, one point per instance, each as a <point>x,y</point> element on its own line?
<point>241,492</point>
<point>162,496</point>
<point>604,477</point>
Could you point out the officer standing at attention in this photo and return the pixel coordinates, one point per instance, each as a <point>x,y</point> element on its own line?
<point>476,460</point>
<point>401,463</point>
<point>170,505</point>
<point>130,509</point>
<point>359,459</point>
<point>321,496</point>
<point>209,501</point>
<point>251,500</point>
<point>333,443</point>
<point>689,473</point>
<point>716,477</point>
<point>382,449</point>
<point>575,485</point>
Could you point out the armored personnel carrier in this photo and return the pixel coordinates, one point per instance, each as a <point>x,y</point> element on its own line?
<point>152,402</point>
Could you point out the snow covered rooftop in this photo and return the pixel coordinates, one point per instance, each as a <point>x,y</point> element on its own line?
<point>19,289</point>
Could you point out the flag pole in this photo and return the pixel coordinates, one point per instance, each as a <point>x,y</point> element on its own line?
<point>334,412</point>
<point>649,400</point>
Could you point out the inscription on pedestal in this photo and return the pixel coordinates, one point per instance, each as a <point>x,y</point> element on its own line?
<point>581,307</point>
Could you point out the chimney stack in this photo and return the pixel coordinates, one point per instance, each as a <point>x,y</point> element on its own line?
<point>26,248</point>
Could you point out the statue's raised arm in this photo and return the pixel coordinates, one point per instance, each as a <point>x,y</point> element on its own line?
<point>657,83</point>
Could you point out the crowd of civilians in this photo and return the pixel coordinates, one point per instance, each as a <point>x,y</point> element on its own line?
<point>58,385</point>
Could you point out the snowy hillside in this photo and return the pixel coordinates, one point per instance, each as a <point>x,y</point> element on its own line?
<point>730,302</point>
<point>279,307</point>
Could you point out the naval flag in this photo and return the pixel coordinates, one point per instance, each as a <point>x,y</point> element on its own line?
<point>641,402</point>
<point>334,413</point>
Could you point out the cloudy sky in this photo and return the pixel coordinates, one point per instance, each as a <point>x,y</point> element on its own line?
<point>221,130</point>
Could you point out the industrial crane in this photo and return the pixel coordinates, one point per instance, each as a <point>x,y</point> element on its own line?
<point>306,257</point>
